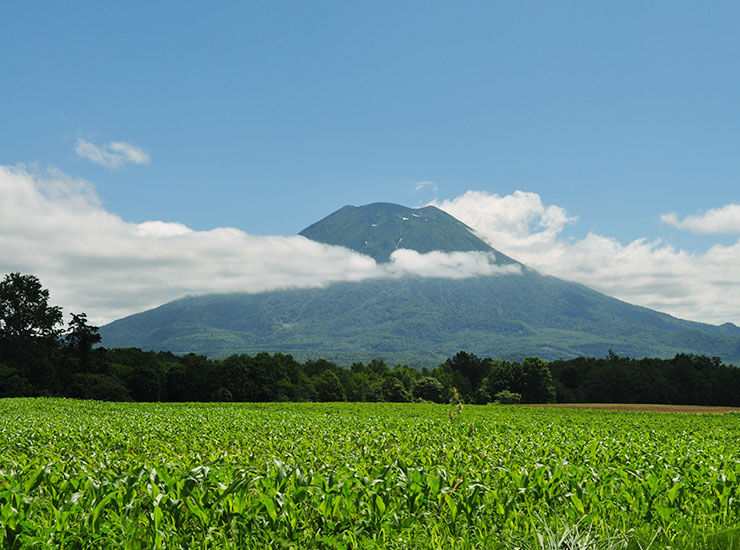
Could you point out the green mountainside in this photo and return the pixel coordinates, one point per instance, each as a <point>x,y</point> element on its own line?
<point>380,228</point>
<point>421,322</point>
<point>418,321</point>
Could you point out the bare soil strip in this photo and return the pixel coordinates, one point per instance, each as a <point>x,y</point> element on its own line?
<point>685,409</point>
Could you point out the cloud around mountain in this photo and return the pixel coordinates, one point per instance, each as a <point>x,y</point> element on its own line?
<point>654,274</point>
<point>54,226</point>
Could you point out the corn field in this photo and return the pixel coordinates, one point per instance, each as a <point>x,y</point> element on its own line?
<point>81,474</point>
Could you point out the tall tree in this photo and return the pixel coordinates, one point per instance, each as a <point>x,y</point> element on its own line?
<point>81,336</point>
<point>29,330</point>
<point>24,309</point>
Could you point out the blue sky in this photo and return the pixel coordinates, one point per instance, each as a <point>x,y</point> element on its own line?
<point>267,116</point>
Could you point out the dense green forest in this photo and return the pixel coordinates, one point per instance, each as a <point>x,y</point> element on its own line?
<point>40,358</point>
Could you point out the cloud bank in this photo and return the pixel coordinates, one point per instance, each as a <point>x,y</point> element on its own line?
<point>725,220</point>
<point>520,220</point>
<point>92,261</point>
<point>113,155</point>
<point>654,274</point>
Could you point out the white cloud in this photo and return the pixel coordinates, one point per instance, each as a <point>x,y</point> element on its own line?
<point>93,261</point>
<point>702,287</point>
<point>718,220</point>
<point>454,265</point>
<point>520,220</point>
<point>422,184</point>
<point>162,229</point>
<point>113,155</point>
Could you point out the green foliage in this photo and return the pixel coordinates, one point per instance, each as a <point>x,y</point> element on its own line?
<point>505,397</point>
<point>420,322</point>
<point>683,379</point>
<point>531,379</point>
<point>329,388</point>
<point>24,309</point>
<point>12,384</point>
<point>390,389</point>
<point>222,395</point>
<point>101,475</point>
<point>81,336</point>
<point>29,328</point>
<point>429,389</point>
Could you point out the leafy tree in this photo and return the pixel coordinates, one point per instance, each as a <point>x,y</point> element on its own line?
<point>538,386</point>
<point>81,336</point>
<point>505,397</point>
<point>468,371</point>
<point>12,384</point>
<point>429,388</point>
<point>531,379</point>
<point>29,328</point>
<point>505,375</point>
<point>391,389</point>
<point>222,395</point>
<point>24,309</point>
<point>103,387</point>
<point>329,388</point>
<point>191,378</point>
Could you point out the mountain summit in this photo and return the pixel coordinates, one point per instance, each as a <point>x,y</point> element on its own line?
<point>379,229</point>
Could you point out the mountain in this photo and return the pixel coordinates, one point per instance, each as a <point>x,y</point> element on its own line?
<point>415,320</point>
<point>380,228</point>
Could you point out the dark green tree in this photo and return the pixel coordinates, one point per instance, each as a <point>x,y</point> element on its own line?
<point>429,388</point>
<point>29,330</point>
<point>328,387</point>
<point>81,336</point>
<point>25,312</point>
<point>505,397</point>
<point>538,386</point>
<point>531,379</point>
<point>468,371</point>
<point>390,389</point>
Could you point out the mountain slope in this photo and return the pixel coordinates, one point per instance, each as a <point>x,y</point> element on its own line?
<point>420,321</point>
<point>380,228</point>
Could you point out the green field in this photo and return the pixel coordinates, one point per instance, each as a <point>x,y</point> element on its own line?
<point>77,474</point>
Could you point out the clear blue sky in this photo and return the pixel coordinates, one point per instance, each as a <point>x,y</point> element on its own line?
<point>619,122</point>
<point>266,116</point>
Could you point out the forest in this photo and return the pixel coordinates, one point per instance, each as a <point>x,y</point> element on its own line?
<point>39,357</point>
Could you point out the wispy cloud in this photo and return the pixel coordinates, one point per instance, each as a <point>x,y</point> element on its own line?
<point>54,226</point>
<point>724,220</point>
<point>651,273</point>
<point>112,155</point>
<point>424,184</point>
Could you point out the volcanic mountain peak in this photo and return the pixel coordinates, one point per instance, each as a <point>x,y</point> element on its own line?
<point>379,228</point>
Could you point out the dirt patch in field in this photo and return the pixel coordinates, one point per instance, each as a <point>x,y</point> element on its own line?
<point>685,409</point>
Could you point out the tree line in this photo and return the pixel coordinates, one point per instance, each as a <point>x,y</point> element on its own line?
<point>39,357</point>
